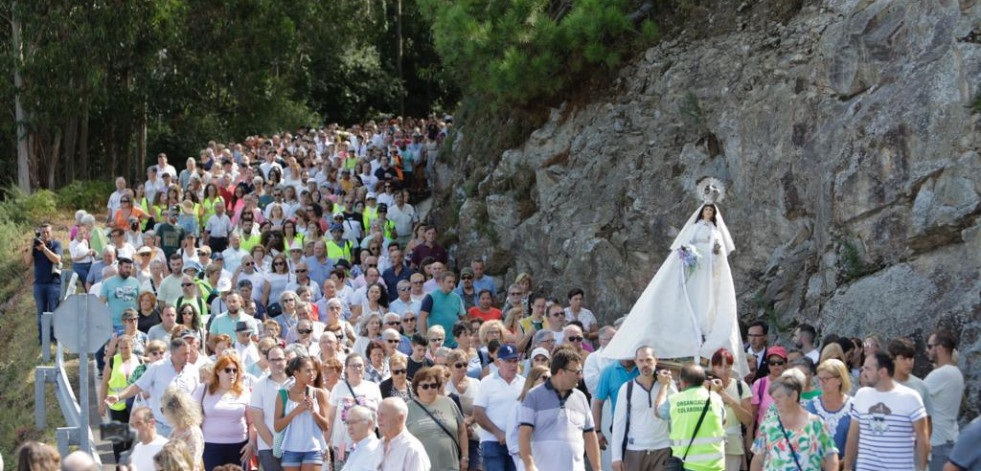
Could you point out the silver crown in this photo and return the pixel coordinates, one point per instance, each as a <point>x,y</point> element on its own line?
<point>711,190</point>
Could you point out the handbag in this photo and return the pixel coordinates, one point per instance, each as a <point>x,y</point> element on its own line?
<point>793,452</point>
<point>277,446</point>
<point>678,464</point>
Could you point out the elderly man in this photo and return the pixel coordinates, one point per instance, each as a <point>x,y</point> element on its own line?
<point>319,265</point>
<point>404,303</point>
<point>400,450</point>
<point>148,443</point>
<point>175,371</point>
<point>496,399</point>
<point>95,272</point>
<point>302,272</point>
<point>394,342</point>
<point>361,428</point>
<point>234,254</point>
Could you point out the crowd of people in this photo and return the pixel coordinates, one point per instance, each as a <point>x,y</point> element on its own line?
<point>279,304</point>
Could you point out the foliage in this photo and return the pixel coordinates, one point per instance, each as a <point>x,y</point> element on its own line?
<point>518,52</point>
<point>852,264</point>
<point>21,209</point>
<point>97,73</point>
<point>89,195</point>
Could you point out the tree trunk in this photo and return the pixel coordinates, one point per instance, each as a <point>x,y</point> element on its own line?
<point>71,140</point>
<point>83,151</point>
<point>111,148</point>
<point>53,159</point>
<point>23,159</point>
<point>141,142</point>
<point>398,56</point>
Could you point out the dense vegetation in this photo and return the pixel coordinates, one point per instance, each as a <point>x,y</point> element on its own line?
<point>107,83</point>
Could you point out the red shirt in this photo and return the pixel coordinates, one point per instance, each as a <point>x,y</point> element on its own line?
<point>492,314</point>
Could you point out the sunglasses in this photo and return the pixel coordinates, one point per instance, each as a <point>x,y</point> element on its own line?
<point>301,270</point>
<point>398,372</point>
<point>280,263</point>
<point>248,264</point>
<point>575,338</point>
<point>392,323</point>
<point>558,314</point>
<point>467,277</point>
<point>304,331</point>
<point>776,362</point>
<point>514,293</point>
<point>187,284</point>
<point>460,365</point>
<point>409,319</point>
<point>405,288</point>
<point>437,339</point>
<point>231,370</point>
<point>392,341</point>
<point>428,386</point>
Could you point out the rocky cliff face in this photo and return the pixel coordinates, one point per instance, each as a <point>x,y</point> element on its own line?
<point>848,137</point>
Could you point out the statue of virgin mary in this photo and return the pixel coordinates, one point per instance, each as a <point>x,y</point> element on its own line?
<point>688,310</point>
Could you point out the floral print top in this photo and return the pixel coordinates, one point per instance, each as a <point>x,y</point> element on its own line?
<point>811,444</point>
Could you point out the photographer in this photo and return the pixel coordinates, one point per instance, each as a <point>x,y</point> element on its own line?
<point>47,273</point>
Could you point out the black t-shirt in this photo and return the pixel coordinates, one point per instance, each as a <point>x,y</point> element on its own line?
<point>412,366</point>
<point>145,322</point>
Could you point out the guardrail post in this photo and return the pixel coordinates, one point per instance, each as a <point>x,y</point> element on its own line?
<point>64,439</point>
<point>46,320</point>
<point>40,406</point>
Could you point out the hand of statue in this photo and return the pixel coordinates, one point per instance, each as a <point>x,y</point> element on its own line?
<point>717,248</point>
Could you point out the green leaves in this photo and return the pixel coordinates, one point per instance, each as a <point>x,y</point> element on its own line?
<point>517,52</point>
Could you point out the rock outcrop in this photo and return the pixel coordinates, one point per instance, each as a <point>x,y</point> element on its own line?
<point>849,141</point>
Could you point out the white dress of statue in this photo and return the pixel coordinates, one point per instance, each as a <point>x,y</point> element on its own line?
<point>688,310</point>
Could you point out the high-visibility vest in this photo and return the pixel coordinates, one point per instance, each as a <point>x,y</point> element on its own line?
<point>119,379</point>
<point>249,241</point>
<point>336,252</point>
<point>707,452</point>
<point>370,214</point>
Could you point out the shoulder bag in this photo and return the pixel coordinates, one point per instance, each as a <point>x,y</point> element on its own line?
<point>678,464</point>
<point>440,423</point>
<point>793,452</point>
<point>277,445</point>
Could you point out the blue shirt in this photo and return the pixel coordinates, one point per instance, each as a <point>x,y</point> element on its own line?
<point>43,267</point>
<point>486,282</point>
<point>319,272</point>
<point>392,280</point>
<point>120,294</point>
<point>611,378</point>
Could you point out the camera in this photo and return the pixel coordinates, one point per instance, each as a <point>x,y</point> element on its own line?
<point>116,432</point>
<point>37,238</point>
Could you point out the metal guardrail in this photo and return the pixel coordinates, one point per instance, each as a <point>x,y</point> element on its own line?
<point>72,434</point>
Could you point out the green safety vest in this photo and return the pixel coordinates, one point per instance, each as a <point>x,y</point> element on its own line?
<point>250,241</point>
<point>335,252</point>
<point>118,380</point>
<point>370,214</point>
<point>707,452</point>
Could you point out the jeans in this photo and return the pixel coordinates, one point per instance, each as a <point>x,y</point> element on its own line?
<point>939,455</point>
<point>46,299</point>
<point>496,457</point>
<point>217,454</point>
<point>268,462</point>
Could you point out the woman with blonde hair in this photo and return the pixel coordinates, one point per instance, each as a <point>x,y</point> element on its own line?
<point>184,416</point>
<point>834,402</point>
<point>174,456</point>
<point>538,375</point>
<point>512,326</point>
<point>37,456</point>
<point>465,388</point>
<point>832,350</point>
<point>371,328</point>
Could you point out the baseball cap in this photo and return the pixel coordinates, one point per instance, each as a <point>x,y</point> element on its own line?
<point>130,315</point>
<point>541,351</point>
<point>776,351</point>
<point>382,208</point>
<point>144,250</point>
<point>467,271</point>
<point>224,285</point>
<point>507,352</point>
<point>336,227</point>
<point>243,326</point>
<point>189,333</point>
<point>192,265</point>
<point>370,196</point>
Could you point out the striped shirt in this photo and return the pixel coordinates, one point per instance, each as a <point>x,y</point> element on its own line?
<point>886,439</point>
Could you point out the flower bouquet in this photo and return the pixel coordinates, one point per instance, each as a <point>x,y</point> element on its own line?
<point>689,258</point>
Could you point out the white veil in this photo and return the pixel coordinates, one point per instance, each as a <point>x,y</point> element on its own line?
<point>685,235</point>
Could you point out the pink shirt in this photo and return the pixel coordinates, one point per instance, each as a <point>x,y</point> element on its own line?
<point>224,417</point>
<point>761,397</point>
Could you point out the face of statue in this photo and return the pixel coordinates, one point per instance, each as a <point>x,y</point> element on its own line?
<point>708,213</point>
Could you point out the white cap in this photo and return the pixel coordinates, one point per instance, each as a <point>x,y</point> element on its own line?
<point>540,351</point>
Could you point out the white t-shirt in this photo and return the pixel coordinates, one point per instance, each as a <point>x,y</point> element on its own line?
<point>141,459</point>
<point>946,385</point>
<point>498,398</point>
<point>585,316</point>
<point>368,395</point>
<point>887,438</point>
<point>646,431</point>
<point>264,396</point>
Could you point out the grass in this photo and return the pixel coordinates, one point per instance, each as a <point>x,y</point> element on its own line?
<point>19,215</point>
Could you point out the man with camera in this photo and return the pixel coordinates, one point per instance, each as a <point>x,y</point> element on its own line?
<point>47,273</point>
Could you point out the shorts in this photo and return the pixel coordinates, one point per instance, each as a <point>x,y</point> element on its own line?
<point>297,458</point>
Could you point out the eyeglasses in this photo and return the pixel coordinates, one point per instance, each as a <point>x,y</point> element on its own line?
<point>289,300</point>
<point>130,320</point>
<point>460,365</point>
<point>356,366</point>
<point>436,339</point>
<point>557,314</point>
<point>428,386</point>
<point>392,323</point>
<point>825,379</point>
<point>231,371</point>
<point>392,341</point>
<point>187,284</point>
<point>514,293</point>
<point>574,372</point>
<point>301,270</point>
<point>304,331</point>
<point>404,288</point>
<point>155,353</point>
<point>279,263</point>
<point>575,338</point>
<point>776,362</point>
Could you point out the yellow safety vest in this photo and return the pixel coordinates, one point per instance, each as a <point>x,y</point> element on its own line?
<point>119,379</point>
<point>707,452</point>
<point>250,241</point>
<point>370,214</point>
<point>335,252</point>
